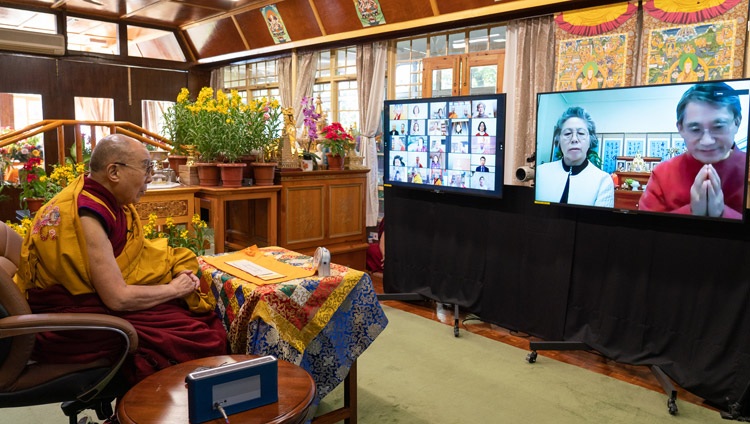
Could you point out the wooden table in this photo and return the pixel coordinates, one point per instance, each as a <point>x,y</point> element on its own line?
<point>215,200</point>
<point>162,397</point>
<point>339,315</point>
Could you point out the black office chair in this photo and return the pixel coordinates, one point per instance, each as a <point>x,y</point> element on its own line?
<point>26,383</point>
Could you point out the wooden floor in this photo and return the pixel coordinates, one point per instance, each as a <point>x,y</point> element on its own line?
<point>638,375</point>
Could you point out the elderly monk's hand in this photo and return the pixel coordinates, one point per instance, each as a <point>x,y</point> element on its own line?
<point>185,283</point>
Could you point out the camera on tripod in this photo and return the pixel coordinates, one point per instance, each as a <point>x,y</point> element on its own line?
<point>526,172</point>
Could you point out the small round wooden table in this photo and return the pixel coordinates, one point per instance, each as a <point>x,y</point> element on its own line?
<point>162,397</point>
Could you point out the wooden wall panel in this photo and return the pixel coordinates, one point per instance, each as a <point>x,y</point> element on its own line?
<point>254,27</point>
<point>338,15</point>
<point>450,6</point>
<point>215,38</point>
<point>299,19</point>
<point>402,11</point>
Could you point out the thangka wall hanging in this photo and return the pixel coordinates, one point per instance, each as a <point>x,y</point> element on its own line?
<point>369,12</point>
<point>689,41</point>
<point>595,47</point>
<point>275,24</point>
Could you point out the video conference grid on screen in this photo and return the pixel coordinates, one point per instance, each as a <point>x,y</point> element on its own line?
<point>636,123</point>
<point>449,144</point>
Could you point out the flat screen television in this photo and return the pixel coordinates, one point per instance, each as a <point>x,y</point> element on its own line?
<point>446,144</point>
<point>678,149</point>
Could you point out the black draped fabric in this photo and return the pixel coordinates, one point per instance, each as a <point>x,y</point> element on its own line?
<point>506,260</point>
<point>640,289</point>
<point>666,298</point>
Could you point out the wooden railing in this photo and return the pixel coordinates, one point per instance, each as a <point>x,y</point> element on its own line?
<point>120,127</point>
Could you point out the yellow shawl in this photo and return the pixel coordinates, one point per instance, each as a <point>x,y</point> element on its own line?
<point>54,252</point>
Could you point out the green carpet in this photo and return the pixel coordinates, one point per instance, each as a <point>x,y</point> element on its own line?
<point>417,372</point>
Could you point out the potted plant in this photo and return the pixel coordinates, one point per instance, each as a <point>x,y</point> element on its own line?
<point>34,184</point>
<point>267,135</point>
<point>176,129</point>
<point>309,158</point>
<point>338,141</point>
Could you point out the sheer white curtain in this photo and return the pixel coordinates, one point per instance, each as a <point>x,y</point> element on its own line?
<point>217,79</point>
<point>286,86</point>
<point>306,62</point>
<point>153,114</point>
<point>529,69</point>
<point>371,64</point>
<point>94,109</point>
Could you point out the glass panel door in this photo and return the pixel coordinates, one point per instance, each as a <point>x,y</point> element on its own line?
<point>440,76</point>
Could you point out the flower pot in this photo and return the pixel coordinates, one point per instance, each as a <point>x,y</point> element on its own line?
<point>335,162</point>
<point>208,174</point>
<point>175,161</point>
<point>263,173</point>
<point>231,174</point>
<point>248,160</point>
<point>33,204</point>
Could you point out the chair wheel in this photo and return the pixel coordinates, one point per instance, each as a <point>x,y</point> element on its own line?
<point>672,406</point>
<point>531,357</point>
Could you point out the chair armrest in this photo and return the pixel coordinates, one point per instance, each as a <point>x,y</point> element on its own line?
<point>36,323</point>
<point>17,325</point>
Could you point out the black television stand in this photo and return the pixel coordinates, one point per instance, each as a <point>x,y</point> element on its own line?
<point>664,381</point>
<point>406,297</point>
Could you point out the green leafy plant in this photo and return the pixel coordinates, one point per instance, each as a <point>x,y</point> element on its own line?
<point>33,181</point>
<point>179,236</point>
<point>224,127</point>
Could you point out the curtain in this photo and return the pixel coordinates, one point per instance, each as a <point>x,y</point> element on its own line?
<point>153,114</point>
<point>371,64</point>
<point>530,66</point>
<point>306,62</point>
<point>94,109</point>
<point>286,88</point>
<point>217,79</point>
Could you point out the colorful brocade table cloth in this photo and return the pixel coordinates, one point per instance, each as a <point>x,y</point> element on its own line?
<point>319,323</point>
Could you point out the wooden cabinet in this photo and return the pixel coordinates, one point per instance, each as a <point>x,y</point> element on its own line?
<point>326,209</point>
<point>176,202</point>
<point>626,198</point>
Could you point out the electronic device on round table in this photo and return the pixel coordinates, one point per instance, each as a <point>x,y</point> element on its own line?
<point>322,261</point>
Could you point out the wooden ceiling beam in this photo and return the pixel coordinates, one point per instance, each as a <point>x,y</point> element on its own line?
<point>259,4</point>
<point>317,17</point>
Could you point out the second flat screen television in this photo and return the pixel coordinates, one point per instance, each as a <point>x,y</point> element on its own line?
<point>446,144</point>
<point>677,149</point>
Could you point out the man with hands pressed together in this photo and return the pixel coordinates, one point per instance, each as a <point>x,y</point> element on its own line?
<point>709,178</point>
<point>86,252</point>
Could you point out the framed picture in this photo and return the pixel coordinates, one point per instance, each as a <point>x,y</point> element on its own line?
<point>622,165</point>
<point>611,147</point>
<point>658,146</point>
<point>635,145</point>
<point>678,144</point>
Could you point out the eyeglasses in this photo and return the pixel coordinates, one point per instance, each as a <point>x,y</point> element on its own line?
<point>148,171</point>
<point>719,129</point>
<point>568,135</point>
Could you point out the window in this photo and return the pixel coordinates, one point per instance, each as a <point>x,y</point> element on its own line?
<point>459,62</point>
<point>152,115</point>
<point>87,35</point>
<point>94,109</point>
<point>336,84</point>
<point>153,43</point>
<point>253,80</point>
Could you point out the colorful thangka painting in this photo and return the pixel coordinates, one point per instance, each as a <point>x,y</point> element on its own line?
<point>275,24</point>
<point>691,53</point>
<point>592,62</point>
<point>369,12</point>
